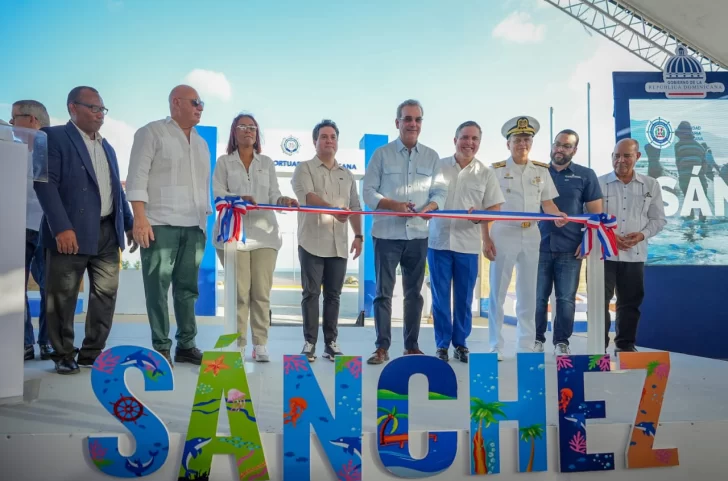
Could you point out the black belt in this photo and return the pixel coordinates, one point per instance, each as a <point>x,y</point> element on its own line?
<point>107,218</point>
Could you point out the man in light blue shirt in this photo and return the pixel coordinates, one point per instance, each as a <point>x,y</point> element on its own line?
<point>402,176</point>
<point>31,114</point>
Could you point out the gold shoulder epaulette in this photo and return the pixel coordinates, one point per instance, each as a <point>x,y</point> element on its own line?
<point>540,164</point>
<point>497,165</point>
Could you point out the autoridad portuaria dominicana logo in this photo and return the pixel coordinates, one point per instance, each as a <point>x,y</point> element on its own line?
<point>290,145</point>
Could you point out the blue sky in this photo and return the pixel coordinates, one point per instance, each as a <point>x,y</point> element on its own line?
<point>293,63</point>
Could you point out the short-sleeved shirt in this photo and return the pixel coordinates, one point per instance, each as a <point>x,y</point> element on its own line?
<point>474,186</point>
<point>524,186</point>
<point>321,234</point>
<point>576,185</point>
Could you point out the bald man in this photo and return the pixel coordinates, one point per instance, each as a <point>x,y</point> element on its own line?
<point>168,186</point>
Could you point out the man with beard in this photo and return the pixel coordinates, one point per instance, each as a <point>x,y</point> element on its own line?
<point>559,263</point>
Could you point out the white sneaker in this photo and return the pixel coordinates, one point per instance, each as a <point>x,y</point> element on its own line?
<point>561,349</point>
<point>309,350</point>
<point>538,346</point>
<point>260,353</point>
<point>331,351</point>
<point>242,352</point>
<point>496,350</point>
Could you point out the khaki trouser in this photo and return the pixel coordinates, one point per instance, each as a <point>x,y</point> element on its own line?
<point>254,273</point>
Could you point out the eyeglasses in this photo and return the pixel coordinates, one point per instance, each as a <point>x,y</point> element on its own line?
<point>195,102</point>
<point>94,108</point>
<point>246,128</point>
<point>409,119</point>
<point>12,119</point>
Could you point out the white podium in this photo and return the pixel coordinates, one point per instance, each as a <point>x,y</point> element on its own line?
<point>14,155</point>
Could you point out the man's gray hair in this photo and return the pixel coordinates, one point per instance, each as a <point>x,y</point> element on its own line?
<point>34,108</point>
<point>409,103</point>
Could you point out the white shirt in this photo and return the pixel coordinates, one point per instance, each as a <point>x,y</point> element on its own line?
<point>474,186</point>
<point>33,210</point>
<point>321,234</point>
<point>524,187</point>
<point>101,169</point>
<point>638,207</point>
<point>170,174</point>
<point>261,183</point>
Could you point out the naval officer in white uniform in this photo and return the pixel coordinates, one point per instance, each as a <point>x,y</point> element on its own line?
<point>527,186</point>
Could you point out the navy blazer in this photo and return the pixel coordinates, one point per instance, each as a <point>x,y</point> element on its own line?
<point>71,199</point>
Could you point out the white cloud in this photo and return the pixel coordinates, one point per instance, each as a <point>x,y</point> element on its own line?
<point>542,4</point>
<point>121,137</point>
<point>210,84</point>
<point>518,28</point>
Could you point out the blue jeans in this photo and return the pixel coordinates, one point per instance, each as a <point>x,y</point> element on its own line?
<point>35,265</point>
<point>560,269</point>
<point>456,272</point>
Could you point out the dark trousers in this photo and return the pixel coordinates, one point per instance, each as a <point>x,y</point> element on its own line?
<point>628,280</point>
<point>35,265</point>
<point>560,270</point>
<point>411,256</point>
<point>315,271</point>
<point>64,273</point>
<point>174,257</point>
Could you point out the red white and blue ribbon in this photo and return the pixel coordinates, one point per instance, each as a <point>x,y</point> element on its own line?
<point>230,212</point>
<point>231,209</point>
<point>604,226</point>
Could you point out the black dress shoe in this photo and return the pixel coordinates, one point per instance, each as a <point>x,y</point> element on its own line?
<point>29,353</point>
<point>45,352</point>
<point>461,353</point>
<point>67,366</point>
<point>192,356</point>
<point>86,361</point>
<point>442,354</point>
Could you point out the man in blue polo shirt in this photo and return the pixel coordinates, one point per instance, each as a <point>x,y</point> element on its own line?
<point>559,262</point>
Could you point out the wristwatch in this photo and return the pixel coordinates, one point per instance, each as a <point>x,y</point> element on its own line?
<point>359,237</point>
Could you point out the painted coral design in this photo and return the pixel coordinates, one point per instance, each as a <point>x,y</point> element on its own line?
<point>578,443</point>
<point>106,362</point>
<point>563,362</point>
<point>294,363</point>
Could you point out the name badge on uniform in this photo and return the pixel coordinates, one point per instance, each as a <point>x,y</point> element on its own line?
<point>536,181</point>
<point>508,176</point>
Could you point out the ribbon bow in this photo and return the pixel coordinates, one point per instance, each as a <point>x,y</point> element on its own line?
<point>230,212</point>
<point>604,225</point>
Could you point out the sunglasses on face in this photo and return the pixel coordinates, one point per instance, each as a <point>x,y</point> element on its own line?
<point>195,102</point>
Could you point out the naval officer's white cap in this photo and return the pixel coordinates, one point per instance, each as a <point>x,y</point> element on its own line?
<point>523,124</point>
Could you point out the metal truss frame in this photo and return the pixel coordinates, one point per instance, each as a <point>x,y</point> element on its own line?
<point>631,30</point>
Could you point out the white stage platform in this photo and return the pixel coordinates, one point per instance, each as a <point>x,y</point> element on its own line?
<point>46,434</point>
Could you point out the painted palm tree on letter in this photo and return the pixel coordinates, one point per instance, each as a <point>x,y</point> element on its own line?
<point>389,416</point>
<point>482,411</point>
<point>531,433</point>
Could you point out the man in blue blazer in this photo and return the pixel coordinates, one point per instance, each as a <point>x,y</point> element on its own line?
<point>85,217</point>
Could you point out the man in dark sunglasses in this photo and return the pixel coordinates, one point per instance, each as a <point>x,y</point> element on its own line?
<point>168,187</point>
